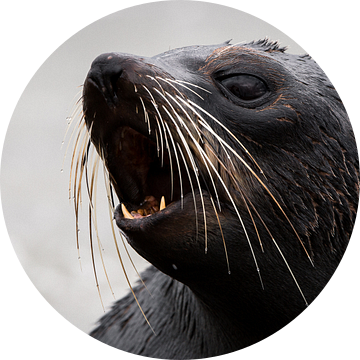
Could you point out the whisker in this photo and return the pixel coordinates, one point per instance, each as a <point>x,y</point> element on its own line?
<point>252,220</point>
<point>157,142</point>
<point>186,87</point>
<point>209,194</point>
<point>222,235</point>
<point>77,113</point>
<point>78,174</point>
<point>127,278</point>
<point>132,263</point>
<point>92,205</point>
<point>75,109</point>
<point>191,84</point>
<point>178,165</point>
<point>153,102</point>
<point>161,142</point>
<point>281,254</point>
<point>154,79</point>
<point>76,154</point>
<point>169,83</point>
<point>171,165</point>
<point>146,115</point>
<point>93,260</point>
<point>192,189</point>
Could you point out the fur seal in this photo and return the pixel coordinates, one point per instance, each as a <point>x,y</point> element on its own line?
<point>253,152</point>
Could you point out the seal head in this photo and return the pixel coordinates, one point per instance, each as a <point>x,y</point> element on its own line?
<point>254,155</point>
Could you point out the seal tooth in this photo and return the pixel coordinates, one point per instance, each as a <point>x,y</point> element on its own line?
<point>126,213</point>
<point>162,203</point>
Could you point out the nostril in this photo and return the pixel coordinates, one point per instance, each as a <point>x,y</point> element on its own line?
<point>113,78</point>
<point>105,72</point>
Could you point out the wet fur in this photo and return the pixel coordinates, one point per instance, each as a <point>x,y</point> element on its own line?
<point>278,218</point>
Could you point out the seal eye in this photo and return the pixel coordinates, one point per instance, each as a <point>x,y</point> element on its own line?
<point>245,87</point>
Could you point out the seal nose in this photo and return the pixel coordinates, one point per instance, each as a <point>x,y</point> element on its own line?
<point>105,72</point>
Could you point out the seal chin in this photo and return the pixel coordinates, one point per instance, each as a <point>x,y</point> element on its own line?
<point>153,235</point>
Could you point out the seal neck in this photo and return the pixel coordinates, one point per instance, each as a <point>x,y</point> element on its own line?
<point>218,323</point>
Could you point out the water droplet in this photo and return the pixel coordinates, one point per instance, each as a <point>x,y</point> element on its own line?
<point>62,170</point>
<point>174,266</point>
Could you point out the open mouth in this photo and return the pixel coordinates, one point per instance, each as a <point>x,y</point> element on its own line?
<point>147,175</point>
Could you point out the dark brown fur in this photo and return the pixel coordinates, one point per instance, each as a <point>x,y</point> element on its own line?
<point>270,191</point>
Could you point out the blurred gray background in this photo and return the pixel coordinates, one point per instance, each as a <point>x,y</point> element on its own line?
<point>34,191</point>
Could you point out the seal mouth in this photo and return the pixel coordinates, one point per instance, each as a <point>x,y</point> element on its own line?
<point>146,178</point>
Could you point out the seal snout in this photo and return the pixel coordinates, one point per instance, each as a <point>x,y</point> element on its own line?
<point>111,73</point>
<point>105,72</point>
